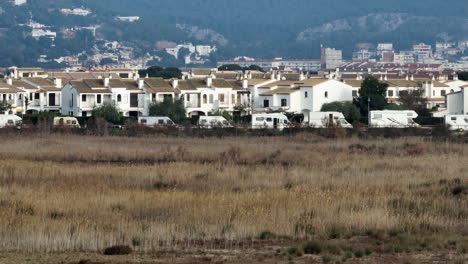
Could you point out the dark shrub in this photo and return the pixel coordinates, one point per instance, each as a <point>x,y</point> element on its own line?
<point>312,247</point>
<point>118,250</point>
<point>458,190</point>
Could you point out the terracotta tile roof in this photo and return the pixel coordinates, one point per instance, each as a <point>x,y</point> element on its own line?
<point>236,85</point>
<point>221,83</point>
<point>5,88</point>
<point>201,71</point>
<point>354,83</point>
<point>23,85</point>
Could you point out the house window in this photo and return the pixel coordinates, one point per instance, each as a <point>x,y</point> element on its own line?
<point>433,93</point>
<point>390,93</point>
<point>84,113</point>
<point>30,97</point>
<point>284,102</point>
<point>83,98</point>
<point>233,98</point>
<point>119,98</point>
<point>326,94</point>
<point>443,92</point>
<point>99,99</point>
<point>266,103</point>
<point>221,98</point>
<point>452,91</point>
<point>205,99</point>
<point>211,98</point>
<point>36,96</point>
<point>355,93</point>
<point>306,94</point>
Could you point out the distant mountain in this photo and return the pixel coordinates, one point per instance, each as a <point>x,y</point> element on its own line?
<point>259,28</point>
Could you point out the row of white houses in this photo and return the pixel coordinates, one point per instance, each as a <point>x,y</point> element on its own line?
<point>77,94</point>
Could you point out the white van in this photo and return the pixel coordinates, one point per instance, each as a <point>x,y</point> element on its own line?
<point>213,121</point>
<point>270,121</point>
<point>457,122</point>
<point>66,121</point>
<point>152,121</point>
<point>393,118</point>
<point>10,121</point>
<point>326,119</point>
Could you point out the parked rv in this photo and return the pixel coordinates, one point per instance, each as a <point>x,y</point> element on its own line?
<point>270,121</point>
<point>66,121</point>
<point>457,122</point>
<point>391,118</point>
<point>10,121</point>
<point>152,121</point>
<point>213,121</point>
<point>327,119</point>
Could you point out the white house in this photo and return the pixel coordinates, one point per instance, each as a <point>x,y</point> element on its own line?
<point>202,96</point>
<point>457,102</point>
<point>12,95</point>
<point>304,96</point>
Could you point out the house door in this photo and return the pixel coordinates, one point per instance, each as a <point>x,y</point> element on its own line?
<point>275,123</point>
<point>51,99</point>
<point>134,100</point>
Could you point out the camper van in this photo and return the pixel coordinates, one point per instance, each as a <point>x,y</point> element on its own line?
<point>326,119</point>
<point>396,119</point>
<point>270,121</point>
<point>213,121</point>
<point>152,121</point>
<point>457,122</point>
<point>66,121</point>
<point>10,121</point>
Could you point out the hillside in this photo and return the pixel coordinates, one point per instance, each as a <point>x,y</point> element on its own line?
<point>261,28</point>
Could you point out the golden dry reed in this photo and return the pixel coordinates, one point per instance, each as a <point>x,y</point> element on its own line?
<point>77,193</point>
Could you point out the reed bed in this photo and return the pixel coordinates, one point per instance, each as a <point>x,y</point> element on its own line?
<point>61,193</point>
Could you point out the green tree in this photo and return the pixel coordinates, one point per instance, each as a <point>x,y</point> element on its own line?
<point>230,67</point>
<point>376,91</point>
<point>160,72</point>
<point>224,114</point>
<point>414,99</point>
<point>349,110</point>
<point>393,106</point>
<point>175,110</point>
<point>4,106</point>
<point>254,68</point>
<point>108,112</point>
<point>463,76</point>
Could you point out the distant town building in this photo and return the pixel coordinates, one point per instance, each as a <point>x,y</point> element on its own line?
<point>76,11</point>
<point>277,63</point>
<point>331,58</point>
<point>127,18</point>
<point>362,55</point>
<point>19,2</point>
<point>422,52</point>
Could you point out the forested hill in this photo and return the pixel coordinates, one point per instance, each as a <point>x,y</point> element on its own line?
<point>259,28</point>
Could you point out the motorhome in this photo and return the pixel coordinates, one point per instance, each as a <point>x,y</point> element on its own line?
<point>327,119</point>
<point>390,118</point>
<point>270,121</point>
<point>10,121</point>
<point>152,121</point>
<point>213,121</point>
<point>457,122</point>
<point>66,121</point>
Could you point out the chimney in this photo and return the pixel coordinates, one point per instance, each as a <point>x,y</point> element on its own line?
<point>245,83</point>
<point>141,83</point>
<point>58,83</point>
<point>385,77</point>
<point>407,77</point>
<point>278,76</point>
<point>412,77</point>
<point>302,76</point>
<point>106,82</point>
<point>9,81</point>
<point>209,81</point>
<point>273,75</point>
<point>175,83</point>
<point>455,77</point>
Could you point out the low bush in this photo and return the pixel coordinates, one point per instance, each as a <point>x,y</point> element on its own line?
<point>312,247</point>
<point>118,250</point>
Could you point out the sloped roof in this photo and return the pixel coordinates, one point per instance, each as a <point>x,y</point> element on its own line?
<point>312,82</point>
<point>280,91</point>
<point>258,81</point>
<point>23,84</point>
<point>92,86</point>
<point>353,83</point>
<point>201,71</point>
<point>221,83</point>
<point>5,88</point>
<point>158,85</point>
<point>236,85</point>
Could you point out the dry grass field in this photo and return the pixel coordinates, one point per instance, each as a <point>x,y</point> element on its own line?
<point>302,199</point>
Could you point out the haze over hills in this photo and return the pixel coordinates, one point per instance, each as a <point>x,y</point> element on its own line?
<point>260,28</point>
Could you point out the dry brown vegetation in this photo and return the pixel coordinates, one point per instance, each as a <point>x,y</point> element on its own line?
<point>66,193</point>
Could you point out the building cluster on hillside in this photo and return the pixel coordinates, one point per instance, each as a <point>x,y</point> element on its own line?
<point>205,91</point>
